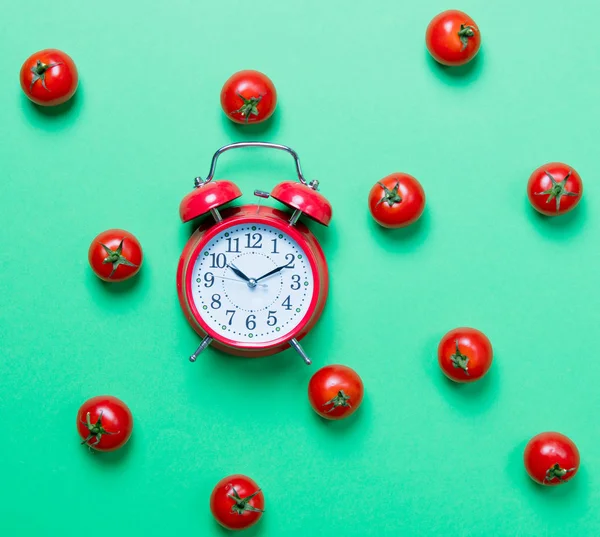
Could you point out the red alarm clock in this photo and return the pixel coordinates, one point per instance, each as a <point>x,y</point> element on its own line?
<point>252,280</point>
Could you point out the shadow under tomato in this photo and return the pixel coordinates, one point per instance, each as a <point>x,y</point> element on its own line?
<point>118,288</point>
<point>53,118</point>
<point>53,111</point>
<point>460,75</point>
<point>250,532</point>
<point>472,389</point>
<point>562,226</point>
<point>408,238</point>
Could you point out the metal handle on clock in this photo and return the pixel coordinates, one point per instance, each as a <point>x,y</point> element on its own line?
<point>213,165</point>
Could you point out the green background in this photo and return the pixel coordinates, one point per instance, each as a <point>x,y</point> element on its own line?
<point>359,98</point>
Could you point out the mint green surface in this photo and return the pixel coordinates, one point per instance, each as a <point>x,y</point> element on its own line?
<point>358,98</point>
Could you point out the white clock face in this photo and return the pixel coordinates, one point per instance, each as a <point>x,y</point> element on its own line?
<point>252,283</point>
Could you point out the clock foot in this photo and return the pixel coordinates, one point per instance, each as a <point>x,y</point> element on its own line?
<point>296,346</point>
<point>205,343</point>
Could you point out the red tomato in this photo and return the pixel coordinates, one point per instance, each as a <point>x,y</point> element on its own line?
<point>335,392</point>
<point>248,97</point>
<point>49,77</point>
<point>105,423</point>
<point>115,255</point>
<point>453,38</point>
<point>465,354</point>
<point>237,502</point>
<point>398,200</point>
<point>551,459</point>
<point>554,188</point>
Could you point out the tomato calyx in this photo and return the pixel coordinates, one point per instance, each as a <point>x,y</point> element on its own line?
<point>558,189</point>
<point>39,73</point>
<point>556,472</point>
<point>250,107</point>
<point>460,360</point>
<point>341,399</point>
<point>116,258</point>
<point>241,505</point>
<point>96,430</point>
<point>465,33</point>
<point>391,197</point>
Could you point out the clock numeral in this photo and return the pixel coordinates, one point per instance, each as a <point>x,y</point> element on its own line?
<point>255,239</point>
<point>271,319</point>
<point>216,302</point>
<point>290,258</point>
<point>209,279</point>
<point>295,283</point>
<point>287,304</point>
<point>218,260</point>
<point>233,245</point>
<point>251,322</point>
<point>274,241</point>
<point>231,313</point>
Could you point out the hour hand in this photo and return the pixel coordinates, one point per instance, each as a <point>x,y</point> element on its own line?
<point>238,272</point>
<point>274,271</point>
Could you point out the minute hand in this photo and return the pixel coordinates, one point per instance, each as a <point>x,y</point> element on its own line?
<point>274,271</point>
<point>238,272</point>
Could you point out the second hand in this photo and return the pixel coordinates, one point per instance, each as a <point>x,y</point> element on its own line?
<point>239,281</point>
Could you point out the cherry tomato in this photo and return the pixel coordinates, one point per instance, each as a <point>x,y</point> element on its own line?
<point>335,392</point>
<point>551,459</point>
<point>115,255</point>
<point>554,188</point>
<point>49,77</point>
<point>237,502</point>
<point>398,200</point>
<point>465,354</point>
<point>248,97</point>
<point>105,423</point>
<point>453,38</point>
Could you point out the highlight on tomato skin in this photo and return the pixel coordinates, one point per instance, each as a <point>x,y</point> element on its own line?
<point>248,97</point>
<point>49,77</point>
<point>551,459</point>
<point>397,200</point>
<point>465,354</point>
<point>453,38</point>
<point>115,255</point>
<point>335,392</point>
<point>554,189</point>
<point>237,502</point>
<point>104,423</point>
